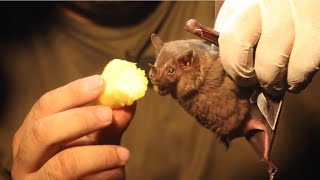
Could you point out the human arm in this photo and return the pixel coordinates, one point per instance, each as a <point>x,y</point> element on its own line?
<point>64,138</point>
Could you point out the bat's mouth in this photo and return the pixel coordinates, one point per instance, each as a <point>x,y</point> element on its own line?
<point>163,90</point>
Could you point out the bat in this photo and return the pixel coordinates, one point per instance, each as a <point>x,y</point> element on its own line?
<point>191,72</point>
<point>270,106</point>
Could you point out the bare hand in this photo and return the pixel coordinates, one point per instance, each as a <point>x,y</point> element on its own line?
<point>62,139</point>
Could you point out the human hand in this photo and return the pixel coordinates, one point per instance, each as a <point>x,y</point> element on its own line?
<point>287,35</point>
<point>62,139</point>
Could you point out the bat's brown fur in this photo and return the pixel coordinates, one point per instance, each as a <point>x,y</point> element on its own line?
<point>201,86</point>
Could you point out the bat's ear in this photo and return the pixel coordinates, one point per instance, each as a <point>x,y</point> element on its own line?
<point>157,42</point>
<point>186,58</point>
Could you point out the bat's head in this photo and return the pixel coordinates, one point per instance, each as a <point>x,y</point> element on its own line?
<point>173,62</point>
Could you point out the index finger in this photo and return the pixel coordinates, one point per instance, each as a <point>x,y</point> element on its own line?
<point>239,26</point>
<point>74,94</point>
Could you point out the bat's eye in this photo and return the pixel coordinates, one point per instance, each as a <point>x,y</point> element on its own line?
<point>171,71</point>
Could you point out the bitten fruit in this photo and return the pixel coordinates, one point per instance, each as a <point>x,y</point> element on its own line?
<point>125,83</point>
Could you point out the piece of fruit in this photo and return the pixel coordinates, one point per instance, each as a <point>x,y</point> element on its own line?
<point>125,83</point>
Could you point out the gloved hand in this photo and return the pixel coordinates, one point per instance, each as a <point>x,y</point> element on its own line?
<point>287,35</point>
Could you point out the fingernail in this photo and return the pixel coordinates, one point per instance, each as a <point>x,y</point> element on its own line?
<point>104,114</point>
<point>295,89</point>
<point>123,154</point>
<point>93,82</point>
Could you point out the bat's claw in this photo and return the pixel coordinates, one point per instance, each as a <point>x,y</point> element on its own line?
<point>272,170</point>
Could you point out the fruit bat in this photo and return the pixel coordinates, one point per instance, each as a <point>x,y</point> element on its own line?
<point>191,72</point>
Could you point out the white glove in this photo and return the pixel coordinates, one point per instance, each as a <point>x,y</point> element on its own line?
<point>288,52</point>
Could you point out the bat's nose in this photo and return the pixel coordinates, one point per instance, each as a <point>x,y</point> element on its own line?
<point>153,77</point>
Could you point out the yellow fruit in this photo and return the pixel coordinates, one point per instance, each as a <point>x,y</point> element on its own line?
<point>125,83</point>
<point>155,87</point>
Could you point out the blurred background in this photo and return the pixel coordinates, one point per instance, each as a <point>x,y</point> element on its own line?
<point>44,45</point>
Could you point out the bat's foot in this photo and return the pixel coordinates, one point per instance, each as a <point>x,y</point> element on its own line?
<point>272,174</point>
<point>272,170</point>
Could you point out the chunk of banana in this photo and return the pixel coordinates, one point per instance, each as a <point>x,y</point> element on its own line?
<point>124,84</point>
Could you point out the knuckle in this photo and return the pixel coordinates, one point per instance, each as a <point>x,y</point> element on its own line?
<point>88,118</point>
<point>43,101</point>
<point>41,105</point>
<point>107,158</point>
<point>85,119</point>
<point>50,173</point>
<point>67,163</point>
<point>39,132</point>
<point>110,156</point>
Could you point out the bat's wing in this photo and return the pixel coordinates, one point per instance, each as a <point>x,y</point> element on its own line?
<point>270,107</point>
<point>261,126</point>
